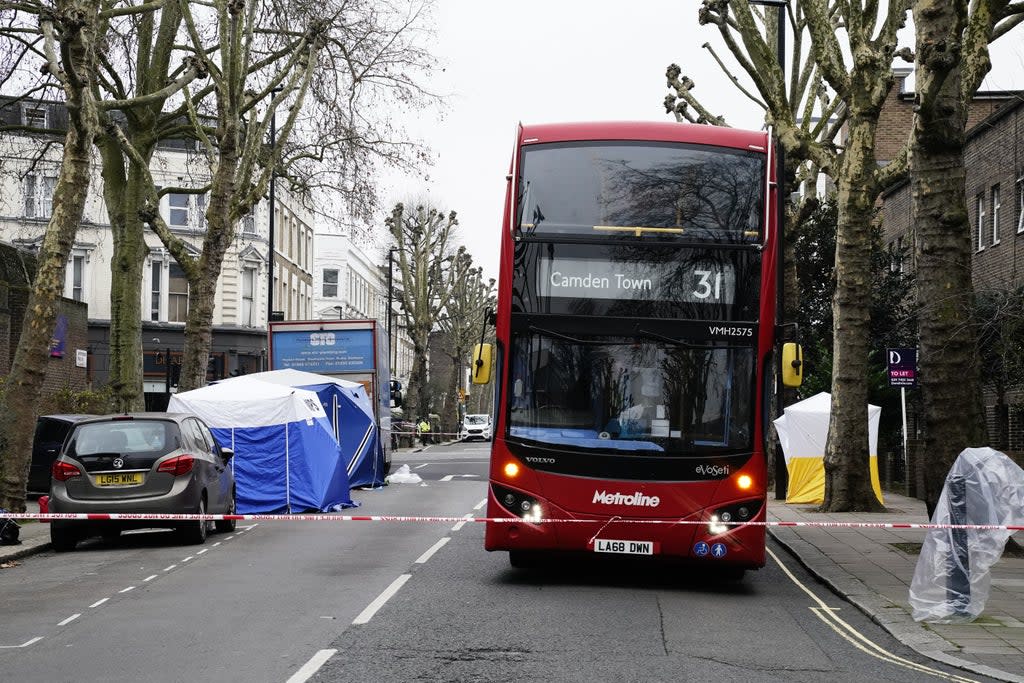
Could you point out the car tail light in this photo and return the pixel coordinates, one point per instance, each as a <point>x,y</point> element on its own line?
<point>178,465</point>
<point>62,471</point>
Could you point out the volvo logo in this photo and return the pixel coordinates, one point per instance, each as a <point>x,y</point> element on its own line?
<point>118,463</point>
<point>540,461</point>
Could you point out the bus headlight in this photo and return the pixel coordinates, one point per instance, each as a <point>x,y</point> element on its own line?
<point>733,515</point>
<point>518,504</point>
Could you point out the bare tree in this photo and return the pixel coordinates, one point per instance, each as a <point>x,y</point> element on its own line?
<point>852,46</point>
<point>138,79</point>
<point>952,59</point>
<point>426,252</point>
<point>66,41</point>
<point>463,322</point>
<point>330,73</point>
<point>807,106</point>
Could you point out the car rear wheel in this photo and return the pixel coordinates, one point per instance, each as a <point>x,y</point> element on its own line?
<point>63,538</point>
<point>225,526</point>
<point>194,533</point>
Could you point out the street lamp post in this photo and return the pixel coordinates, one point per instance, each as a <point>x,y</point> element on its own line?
<point>781,475</point>
<point>391,281</point>
<point>272,207</point>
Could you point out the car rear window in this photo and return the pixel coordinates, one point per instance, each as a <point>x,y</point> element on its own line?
<point>134,436</point>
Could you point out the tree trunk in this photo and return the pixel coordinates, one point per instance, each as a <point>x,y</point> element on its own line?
<point>451,416</point>
<point>950,385</point>
<point>847,464</point>
<point>419,397</point>
<point>126,273</point>
<point>220,234</point>
<point>20,401</point>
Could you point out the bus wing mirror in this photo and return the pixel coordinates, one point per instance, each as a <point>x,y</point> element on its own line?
<point>792,364</point>
<point>481,364</point>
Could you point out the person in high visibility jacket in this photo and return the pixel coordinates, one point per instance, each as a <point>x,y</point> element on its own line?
<point>423,427</point>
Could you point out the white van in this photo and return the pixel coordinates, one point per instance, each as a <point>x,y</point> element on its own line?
<point>476,426</point>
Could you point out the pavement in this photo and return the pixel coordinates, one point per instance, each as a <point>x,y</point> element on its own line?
<point>870,567</point>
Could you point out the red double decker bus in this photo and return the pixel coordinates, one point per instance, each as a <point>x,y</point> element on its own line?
<point>635,336</point>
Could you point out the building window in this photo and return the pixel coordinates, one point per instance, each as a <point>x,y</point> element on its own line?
<point>35,117</point>
<point>249,224</point>
<point>77,277</point>
<point>39,195</point>
<point>177,295</point>
<point>155,290</point>
<point>248,297</point>
<point>980,203</point>
<point>177,215</point>
<point>995,214</point>
<point>1020,204</point>
<point>330,283</point>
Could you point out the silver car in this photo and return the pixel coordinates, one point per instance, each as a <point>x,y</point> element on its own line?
<point>140,463</point>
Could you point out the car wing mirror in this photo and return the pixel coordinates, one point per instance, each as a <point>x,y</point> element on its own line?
<point>226,454</point>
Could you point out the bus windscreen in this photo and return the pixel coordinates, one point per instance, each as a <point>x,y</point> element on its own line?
<point>626,394</point>
<point>667,191</point>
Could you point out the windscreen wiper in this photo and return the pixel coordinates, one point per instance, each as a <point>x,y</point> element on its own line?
<point>559,335</point>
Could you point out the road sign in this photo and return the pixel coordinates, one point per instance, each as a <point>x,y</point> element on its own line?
<point>902,366</point>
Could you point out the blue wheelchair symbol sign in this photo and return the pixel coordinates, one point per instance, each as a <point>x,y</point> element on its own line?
<point>718,550</point>
<point>701,549</point>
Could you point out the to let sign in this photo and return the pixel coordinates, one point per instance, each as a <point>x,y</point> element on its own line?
<point>902,367</point>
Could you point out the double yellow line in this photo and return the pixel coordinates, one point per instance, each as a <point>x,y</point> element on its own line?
<point>856,638</point>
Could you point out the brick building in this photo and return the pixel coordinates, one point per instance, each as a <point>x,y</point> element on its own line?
<point>67,368</point>
<point>994,162</point>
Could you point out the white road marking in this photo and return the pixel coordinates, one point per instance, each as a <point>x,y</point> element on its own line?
<point>216,544</point>
<point>167,569</point>
<point>480,504</point>
<point>433,549</point>
<point>25,644</point>
<point>69,619</point>
<point>462,524</point>
<point>98,603</point>
<point>204,550</point>
<point>311,667</point>
<point>188,558</point>
<point>449,477</point>
<point>421,466</point>
<point>372,608</point>
<point>125,590</point>
<point>150,577</point>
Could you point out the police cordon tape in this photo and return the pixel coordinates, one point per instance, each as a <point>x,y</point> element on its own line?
<point>427,433</point>
<point>330,517</point>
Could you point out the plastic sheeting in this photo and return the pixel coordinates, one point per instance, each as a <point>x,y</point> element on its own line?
<point>952,580</point>
<point>803,429</point>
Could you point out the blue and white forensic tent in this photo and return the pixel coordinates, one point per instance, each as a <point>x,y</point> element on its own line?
<point>350,413</point>
<point>286,456</point>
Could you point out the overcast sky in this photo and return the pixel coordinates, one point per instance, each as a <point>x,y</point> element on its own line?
<point>537,61</point>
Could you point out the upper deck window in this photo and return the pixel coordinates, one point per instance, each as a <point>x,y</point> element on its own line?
<point>642,189</point>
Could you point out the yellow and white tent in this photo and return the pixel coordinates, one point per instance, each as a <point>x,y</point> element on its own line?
<point>803,429</point>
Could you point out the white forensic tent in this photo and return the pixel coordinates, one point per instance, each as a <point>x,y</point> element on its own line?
<point>803,429</point>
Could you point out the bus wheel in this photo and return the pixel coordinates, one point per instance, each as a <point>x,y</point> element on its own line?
<point>521,559</point>
<point>733,574</point>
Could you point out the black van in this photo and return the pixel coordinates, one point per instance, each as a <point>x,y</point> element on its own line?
<point>50,433</point>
